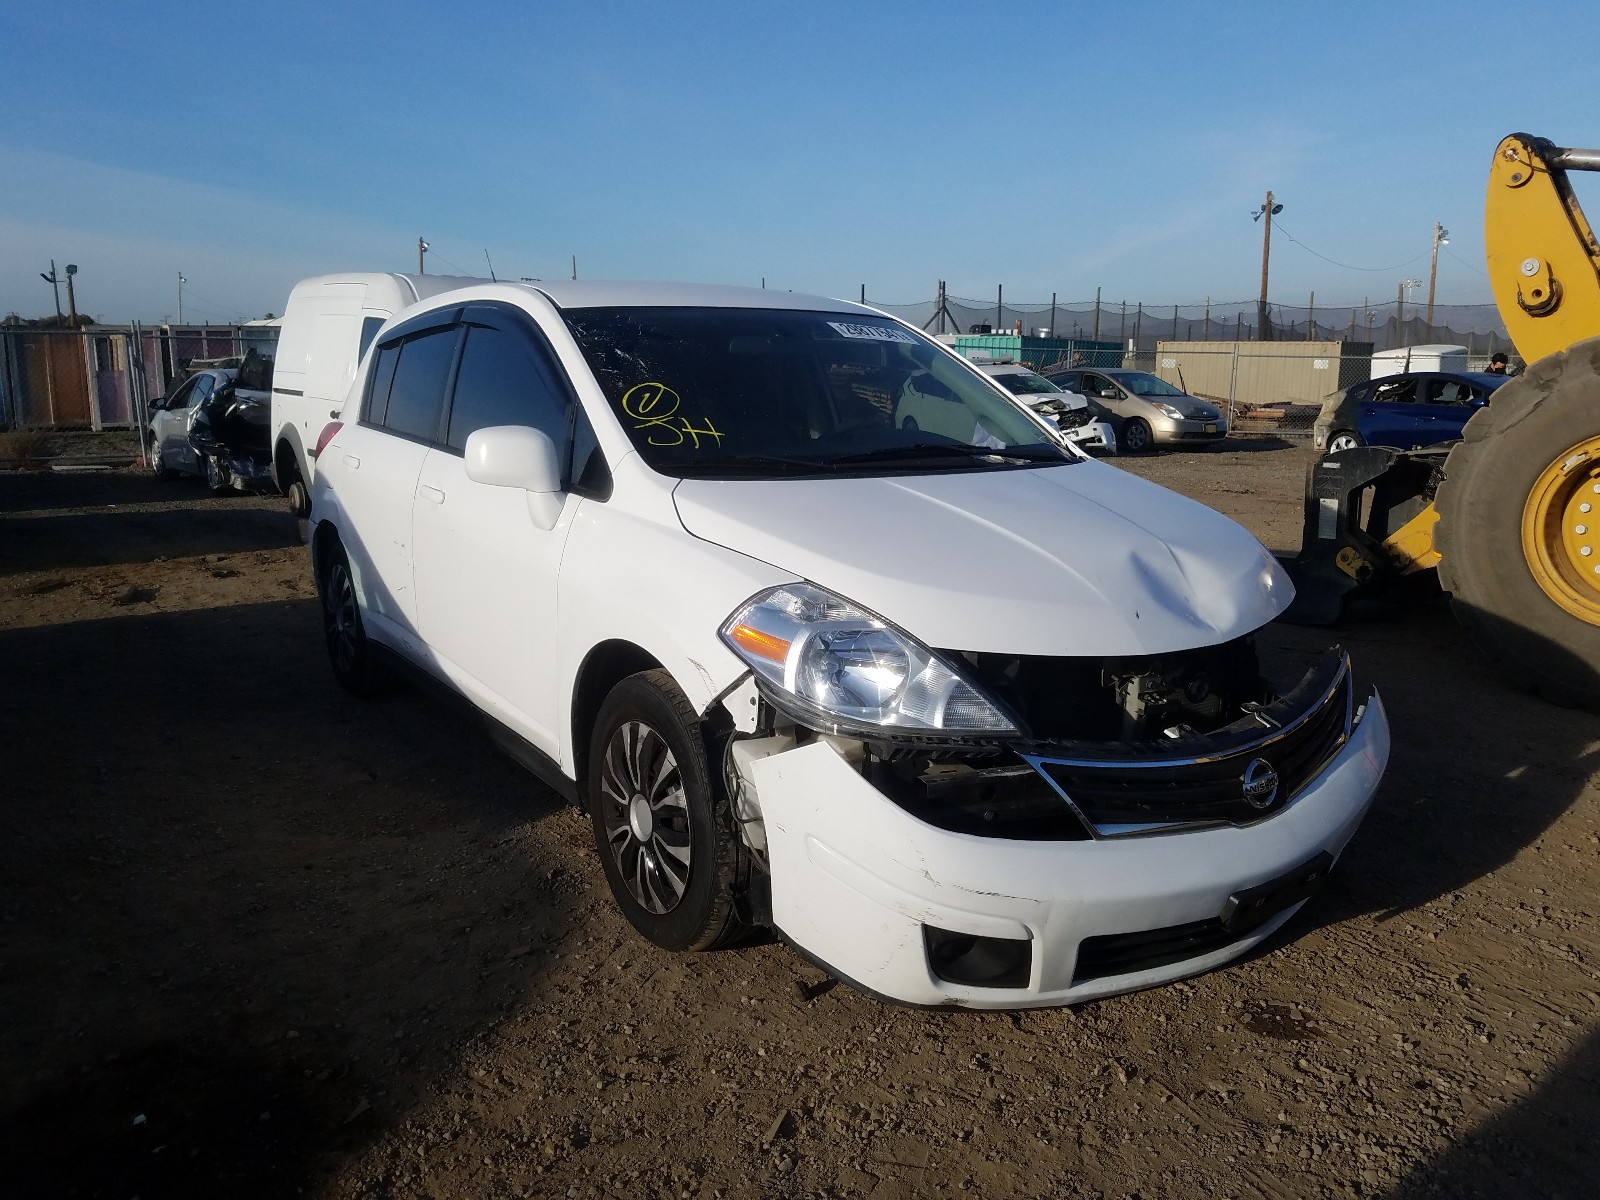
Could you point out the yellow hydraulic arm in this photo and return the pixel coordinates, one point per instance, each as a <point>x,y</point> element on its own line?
<point>1544,262</point>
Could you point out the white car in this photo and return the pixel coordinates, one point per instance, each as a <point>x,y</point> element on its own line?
<point>1070,411</point>
<point>970,720</point>
<point>171,416</point>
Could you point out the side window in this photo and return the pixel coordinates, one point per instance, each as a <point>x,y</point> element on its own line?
<point>1399,391</point>
<point>416,397</point>
<point>180,398</point>
<point>369,330</point>
<point>1096,385</point>
<point>504,380</point>
<point>202,389</point>
<point>382,379</point>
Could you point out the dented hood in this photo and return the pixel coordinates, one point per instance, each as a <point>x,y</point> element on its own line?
<point>1072,560</point>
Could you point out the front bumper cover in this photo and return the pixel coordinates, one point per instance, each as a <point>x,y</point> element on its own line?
<point>856,880</point>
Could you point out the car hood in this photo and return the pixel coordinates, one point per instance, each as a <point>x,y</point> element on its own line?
<point>1067,400</point>
<point>1071,560</point>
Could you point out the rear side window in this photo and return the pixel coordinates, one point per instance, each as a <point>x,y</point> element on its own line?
<point>504,380</point>
<point>416,397</point>
<point>382,379</point>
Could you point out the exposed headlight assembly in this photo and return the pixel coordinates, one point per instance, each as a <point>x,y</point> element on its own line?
<point>837,668</point>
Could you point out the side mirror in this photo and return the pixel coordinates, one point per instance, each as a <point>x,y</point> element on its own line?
<point>157,404</point>
<point>513,456</point>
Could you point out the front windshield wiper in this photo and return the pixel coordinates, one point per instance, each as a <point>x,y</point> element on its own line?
<point>754,462</point>
<point>951,450</point>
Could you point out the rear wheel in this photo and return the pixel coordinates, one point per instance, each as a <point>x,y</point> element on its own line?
<point>1519,527</point>
<point>1344,439</point>
<point>299,497</point>
<point>670,853</point>
<point>218,478</point>
<point>350,653</point>
<point>1137,437</point>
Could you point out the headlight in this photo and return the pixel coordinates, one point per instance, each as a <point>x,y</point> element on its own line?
<point>1166,410</point>
<point>838,668</point>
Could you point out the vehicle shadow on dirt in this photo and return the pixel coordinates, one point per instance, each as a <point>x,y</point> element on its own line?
<point>1472,781</point>
<point>248,918</point>
<point>133,520</point>
<point>1541,1146</point>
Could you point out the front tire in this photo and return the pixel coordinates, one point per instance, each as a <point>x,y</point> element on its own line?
<point>158,468</point>
<point>1137,436</point>
<point>666,842</point>
<point>1520,497</point>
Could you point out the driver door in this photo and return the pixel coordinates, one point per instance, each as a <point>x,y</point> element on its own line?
<point>485,568</point>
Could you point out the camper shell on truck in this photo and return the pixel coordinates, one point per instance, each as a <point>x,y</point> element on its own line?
<point>328,323</point>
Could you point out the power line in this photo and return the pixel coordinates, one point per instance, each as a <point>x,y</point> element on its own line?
<point>1464,262</point>
<point>1347,266</point>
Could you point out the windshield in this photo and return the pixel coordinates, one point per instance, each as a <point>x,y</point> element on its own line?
<point>770,392</point>
<point>1025,383</point>
<point>1141,383</point>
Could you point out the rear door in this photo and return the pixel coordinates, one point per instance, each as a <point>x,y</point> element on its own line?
<point>485,569</point>
<point>378,463</point>
<point>1451,403</point>
<point>1391,415</point>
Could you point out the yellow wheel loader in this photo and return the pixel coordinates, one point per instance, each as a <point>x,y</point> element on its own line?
<point>1510,515</point>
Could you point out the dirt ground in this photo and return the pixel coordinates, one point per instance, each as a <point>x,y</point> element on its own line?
<point>259,938</point>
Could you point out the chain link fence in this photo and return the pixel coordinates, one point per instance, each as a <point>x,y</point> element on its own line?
<point>1383,326</point>
<point>103,376</point>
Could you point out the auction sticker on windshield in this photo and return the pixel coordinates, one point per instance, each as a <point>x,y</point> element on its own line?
<point>873,333</point>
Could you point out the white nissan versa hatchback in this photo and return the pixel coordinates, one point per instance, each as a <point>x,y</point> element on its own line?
<point>969,720</point>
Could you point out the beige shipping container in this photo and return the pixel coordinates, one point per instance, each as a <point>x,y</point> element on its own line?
<point>1239,375</point>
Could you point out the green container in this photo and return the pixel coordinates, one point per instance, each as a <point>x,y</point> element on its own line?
<point>1037,352</point>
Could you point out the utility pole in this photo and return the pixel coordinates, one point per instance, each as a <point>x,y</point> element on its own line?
<point>181,282</point>
<point>72,299</point>
<point>1268,210</point>
<point>55,283</point>
<point>574,267</point>
<point>1096,332</point>
<point>1311,318</point>
<point>422,248</point>
<point>1441,237</point>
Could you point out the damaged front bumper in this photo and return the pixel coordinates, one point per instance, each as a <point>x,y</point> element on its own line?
<point>935,916</point>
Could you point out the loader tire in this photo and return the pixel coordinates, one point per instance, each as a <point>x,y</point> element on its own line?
<point>1519,562</point>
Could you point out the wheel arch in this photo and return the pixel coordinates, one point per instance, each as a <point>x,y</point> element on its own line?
<point>606,664</point>
<point>288,459</point>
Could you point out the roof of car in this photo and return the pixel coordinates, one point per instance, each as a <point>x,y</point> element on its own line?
<point>571,294</point>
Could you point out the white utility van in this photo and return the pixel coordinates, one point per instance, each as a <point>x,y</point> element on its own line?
<point>327,325</point>
<point>1419,358</point>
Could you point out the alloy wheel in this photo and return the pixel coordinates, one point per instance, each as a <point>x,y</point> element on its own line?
<point>343,619</point>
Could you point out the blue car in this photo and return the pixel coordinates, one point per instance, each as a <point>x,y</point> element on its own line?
<point>1420,408</point>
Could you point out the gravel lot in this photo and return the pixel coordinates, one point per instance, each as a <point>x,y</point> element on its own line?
<point>258,938</point>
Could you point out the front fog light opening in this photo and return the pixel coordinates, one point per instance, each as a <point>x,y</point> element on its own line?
<point>977,961</point>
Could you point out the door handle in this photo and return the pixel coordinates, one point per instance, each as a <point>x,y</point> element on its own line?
<point>351,461</point>
<point>429,492</point>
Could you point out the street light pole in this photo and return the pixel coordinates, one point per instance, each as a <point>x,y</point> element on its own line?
<point>422,248</point>
<point>181,282</point>
<point>1441,237</point>
<point>55,284</point>
<point>72,299</point>
<point>1400,309</point>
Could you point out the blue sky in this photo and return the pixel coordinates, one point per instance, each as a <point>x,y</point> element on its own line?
<point>1046,147</point>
